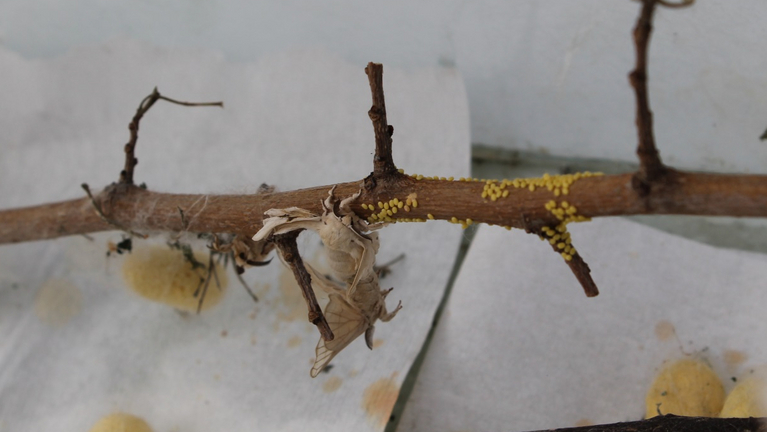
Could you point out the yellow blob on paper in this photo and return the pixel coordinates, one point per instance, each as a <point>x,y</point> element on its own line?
<point>164,275</point>
<point>686,388</point>
<point>747,399</point>
<point>121,422</point>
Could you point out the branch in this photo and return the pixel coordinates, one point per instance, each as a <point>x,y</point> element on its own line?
<point>651,168</point>
<point>286,243</point>
<point>126,175</point>
<point>142,210</point>
<point>383,163</point>
<point>672,423</point>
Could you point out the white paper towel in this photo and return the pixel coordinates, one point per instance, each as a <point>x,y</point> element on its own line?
<point>520,347</point>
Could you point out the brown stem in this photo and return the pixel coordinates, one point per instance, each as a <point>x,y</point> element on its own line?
<point>383,163</point>
<point>126,175</point>
<point>286,243</point>
<point>582,272</point>
<point>672,423</point>
<point>651,168</point>
<point>142,210</point>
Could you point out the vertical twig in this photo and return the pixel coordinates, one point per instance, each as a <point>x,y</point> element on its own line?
<point>286,243</point>
<point>651,168</point>
<point>383,163</point>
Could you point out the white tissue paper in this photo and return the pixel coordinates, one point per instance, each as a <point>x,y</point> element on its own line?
<point>520,347</point>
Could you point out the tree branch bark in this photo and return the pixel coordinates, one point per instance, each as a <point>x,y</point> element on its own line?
<point>141,210</point>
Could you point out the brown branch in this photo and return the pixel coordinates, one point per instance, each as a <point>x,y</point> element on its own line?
<point>142,210</point>
<point>651,168</point>
<point>286,243</point>
<point>383,163</point>
<point>126,175</point>
<point>582,272</point>
<point>672,423</point>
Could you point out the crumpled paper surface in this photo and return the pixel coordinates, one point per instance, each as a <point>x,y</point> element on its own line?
<point>520,347</point>
<point>76,345</point>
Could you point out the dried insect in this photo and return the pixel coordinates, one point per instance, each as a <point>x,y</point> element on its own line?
<point>126,245</point>
<point>357,301</point>
<point>243,252</point>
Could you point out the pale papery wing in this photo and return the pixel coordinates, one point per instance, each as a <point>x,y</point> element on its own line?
<point>269,225</point>
<point>343,264</point>
<point>365,266</point>
<point>346,322</point>
<point>295,224</point>
<point>280,225</point>
<point>291,212</point>
<point>334,238</point>
<point>326,284</point>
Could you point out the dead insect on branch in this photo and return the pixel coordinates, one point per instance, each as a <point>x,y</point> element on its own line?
<point>357,302</point>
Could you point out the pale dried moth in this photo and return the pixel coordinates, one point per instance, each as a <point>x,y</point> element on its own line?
<point>357,302</point>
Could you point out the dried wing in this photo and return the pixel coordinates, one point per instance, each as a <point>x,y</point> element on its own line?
<point>347,323</point>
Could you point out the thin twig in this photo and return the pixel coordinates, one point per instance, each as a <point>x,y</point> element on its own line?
<point>286,243</point>
<point>238,272</point>
<point>383,163</point>
<point>582,273</point>
<point>126,175</point>
<point>205,283</point>
<point>651,168</point>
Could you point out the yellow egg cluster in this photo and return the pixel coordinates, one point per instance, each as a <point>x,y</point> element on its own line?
<point>565,212</point>
<point>387,210</point>
<point>558,184</point>
<point>421,177</point>
<point>464,223</point>
<point>559,236</point>
<point>395,220</point>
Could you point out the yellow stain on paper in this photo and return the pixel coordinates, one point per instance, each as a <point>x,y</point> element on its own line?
<point>735,358</point>
<point>121,422</point>
<point>664,330</point>
<point>163,275</point>
<point>57,302</point>
<point>378,400</point>
<point>332,384</point>
<point>748,398</point>
<point>685,387</point>
<point>294,341</point>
